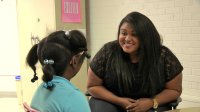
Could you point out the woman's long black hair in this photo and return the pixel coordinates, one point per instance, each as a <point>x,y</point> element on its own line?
<point>59,46</point>
<point>149,54</point>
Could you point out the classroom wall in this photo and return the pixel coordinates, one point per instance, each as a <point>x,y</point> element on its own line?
<point>9,47</point>
<point>178,21</point>
<point>9,57</point>
<point>36,18</point>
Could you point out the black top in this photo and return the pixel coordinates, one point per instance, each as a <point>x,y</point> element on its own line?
<point>169,67</point>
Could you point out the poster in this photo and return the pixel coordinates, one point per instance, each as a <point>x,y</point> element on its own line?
<point>71,11</point>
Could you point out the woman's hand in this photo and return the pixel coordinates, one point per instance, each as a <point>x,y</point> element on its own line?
<point>124,102</point>
<point>141,105</point>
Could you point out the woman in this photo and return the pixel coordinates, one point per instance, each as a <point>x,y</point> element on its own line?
<point>61,55</point>
<point>135,73</point>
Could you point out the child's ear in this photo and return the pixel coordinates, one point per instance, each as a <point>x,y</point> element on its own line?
<point>73,61</point>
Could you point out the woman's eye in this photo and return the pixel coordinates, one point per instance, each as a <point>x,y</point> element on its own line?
<point>123,33</point>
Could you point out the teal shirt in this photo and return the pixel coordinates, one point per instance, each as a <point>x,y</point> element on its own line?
<point>64,97</point>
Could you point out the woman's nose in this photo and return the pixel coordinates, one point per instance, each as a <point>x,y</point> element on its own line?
<point>127,38</point>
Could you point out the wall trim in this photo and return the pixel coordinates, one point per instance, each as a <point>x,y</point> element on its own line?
<point>190,98</point>
<point>8,94</point>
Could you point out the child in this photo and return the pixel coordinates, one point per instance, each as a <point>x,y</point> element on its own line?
<point>61,55</point>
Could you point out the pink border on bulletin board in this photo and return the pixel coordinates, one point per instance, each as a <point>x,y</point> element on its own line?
<point>71,11</point>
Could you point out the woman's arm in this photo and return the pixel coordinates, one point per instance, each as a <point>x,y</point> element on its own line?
<point>97,90</point>
<point>172,91</point>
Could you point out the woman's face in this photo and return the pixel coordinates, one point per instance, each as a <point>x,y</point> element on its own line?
<point>128,40</point>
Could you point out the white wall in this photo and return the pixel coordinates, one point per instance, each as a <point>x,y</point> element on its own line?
<point>9,46</point>
<point>178,21</point>
<point>9,57</point>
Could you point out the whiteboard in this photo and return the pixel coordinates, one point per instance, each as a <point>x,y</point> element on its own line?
<point>9,46</point>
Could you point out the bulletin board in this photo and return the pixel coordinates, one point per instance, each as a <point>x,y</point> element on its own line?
<point>60,24</point>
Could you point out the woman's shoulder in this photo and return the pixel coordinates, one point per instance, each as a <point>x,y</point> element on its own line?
<point>111,45</point>
<point>107,48</point>
<point>165,51</point>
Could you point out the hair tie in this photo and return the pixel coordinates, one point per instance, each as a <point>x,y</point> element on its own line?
<point>34,78</point>
<point>48,84</point>
<point>50,61</point>
<point>67,34</point>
